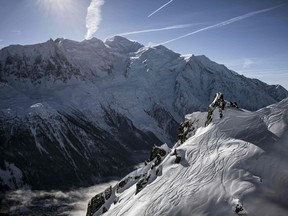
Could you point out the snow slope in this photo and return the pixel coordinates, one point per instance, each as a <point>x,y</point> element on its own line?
<point>240,159</point>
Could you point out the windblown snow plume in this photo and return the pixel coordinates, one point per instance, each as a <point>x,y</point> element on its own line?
<point>93,18</point>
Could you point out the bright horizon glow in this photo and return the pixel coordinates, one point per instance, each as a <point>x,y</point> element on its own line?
<point>55,6</point>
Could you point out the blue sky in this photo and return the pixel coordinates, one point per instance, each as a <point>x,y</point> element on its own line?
<point>248,36</point>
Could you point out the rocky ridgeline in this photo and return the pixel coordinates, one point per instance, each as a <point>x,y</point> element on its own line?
<point>220,103</point>
<point>192,121</point>
<point>145,175</point>
<point>138,179</point>
<point>211,159</point>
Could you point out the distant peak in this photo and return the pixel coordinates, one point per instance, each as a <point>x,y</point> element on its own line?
<point>158,49</point>
<point>93,39</point>
<point>58,40</point>
<point>118,38</point>
<point>122,44</point>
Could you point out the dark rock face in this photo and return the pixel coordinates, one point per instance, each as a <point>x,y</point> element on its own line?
<point>184,130</point>
<point>98,201</point>
<point>157,151</point>
<point>178,158</point>
<point>123,182</point>
<point>141,183</point>
<point>217,102</point>
<point>95,204</point>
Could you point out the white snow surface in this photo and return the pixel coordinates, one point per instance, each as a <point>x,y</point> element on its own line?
<point>239,159</point>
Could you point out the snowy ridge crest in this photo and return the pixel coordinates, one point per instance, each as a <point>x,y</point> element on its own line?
<point>226,168</point>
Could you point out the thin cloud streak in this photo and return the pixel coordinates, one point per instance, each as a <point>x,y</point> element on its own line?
<point>160,29</point>
<point>160,8</point>
<point>272,71</point>
<point>263,62</point>
<point>224,23</point>
<point>93,17</point>
<point>247,62</point>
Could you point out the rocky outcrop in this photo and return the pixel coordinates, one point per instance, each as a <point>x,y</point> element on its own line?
<point>189,127</point>
<point>217,102</point>
<point>98,201</point>
<point>157,154</point>
<point>178,157</point>
<point>139,179</point>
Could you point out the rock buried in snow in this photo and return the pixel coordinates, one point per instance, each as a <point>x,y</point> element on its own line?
<point>123,182</point>
<point>178,157</point>
<point>157,151</point>
<point>95,204</point>
<point>141,184</point>
<point>238,208</point>
<point>98,201</point>
<point>217,102</point>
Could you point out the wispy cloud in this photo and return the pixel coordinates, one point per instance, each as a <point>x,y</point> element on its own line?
<point>160,8</point>
<point>93,17</point>
<point>272,70</point>
<point>160,29</point>
<point>246,63</point>
<point>73,202</point>
<point>224,23</point>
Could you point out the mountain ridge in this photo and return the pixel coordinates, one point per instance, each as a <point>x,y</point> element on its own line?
<point>234,166</point>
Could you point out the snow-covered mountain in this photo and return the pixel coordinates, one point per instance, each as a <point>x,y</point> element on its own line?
<point>237,165</point>
<point>75,112</point>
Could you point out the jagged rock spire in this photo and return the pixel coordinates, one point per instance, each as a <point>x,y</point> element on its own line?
<point>217,102</point>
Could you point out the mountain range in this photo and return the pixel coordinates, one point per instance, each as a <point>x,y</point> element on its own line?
<point>77,113</point>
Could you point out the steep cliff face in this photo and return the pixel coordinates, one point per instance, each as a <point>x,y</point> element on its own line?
<point>84,110</point>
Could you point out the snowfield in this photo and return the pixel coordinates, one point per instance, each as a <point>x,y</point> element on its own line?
<point>235,165</point>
